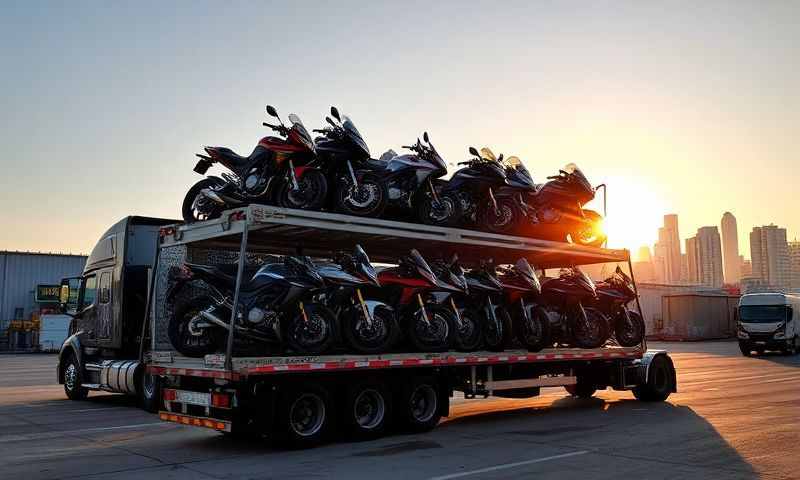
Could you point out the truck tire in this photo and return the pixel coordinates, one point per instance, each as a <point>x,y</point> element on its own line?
<point>367,410</point>
<point>791,347</point>
<point>658,384</point>
<point>73,378</point>
<point>304,416</point>
<point>417,409</point>
<point>582,389</point>
<point>148,389</point>
<point>745,349</point>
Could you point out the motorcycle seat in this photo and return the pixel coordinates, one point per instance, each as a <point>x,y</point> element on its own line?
<point>232,157</point>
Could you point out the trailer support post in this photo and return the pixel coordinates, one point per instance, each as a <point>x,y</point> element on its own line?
<point>235,309</point>
<point>638,303</point>
<point>151,283</point>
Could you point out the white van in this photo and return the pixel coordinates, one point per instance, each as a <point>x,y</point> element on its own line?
<point>768,321</point>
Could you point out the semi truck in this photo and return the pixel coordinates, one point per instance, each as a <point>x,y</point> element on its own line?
<point>300,400</point>
<point>768,321</point>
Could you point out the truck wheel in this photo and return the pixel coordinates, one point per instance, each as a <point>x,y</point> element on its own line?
<point>582,389</point>
<point>418,406</point>
<point>149,392</point>
<point>658,385</point>
<point>791,347</point>
<point>73,378</point>
<point>303,417</point>
<point>745,349</point>
<point>367,410</point>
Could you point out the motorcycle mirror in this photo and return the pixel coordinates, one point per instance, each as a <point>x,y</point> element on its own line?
<point>474,151</point>
<point>271,111</point>
<point>425,137</point>
<point>331,122</point>
<point>500,158</point>
<point>335,113</point>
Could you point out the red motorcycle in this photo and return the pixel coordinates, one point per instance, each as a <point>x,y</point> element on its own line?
<point>277,171</point>
<point>409,288</point>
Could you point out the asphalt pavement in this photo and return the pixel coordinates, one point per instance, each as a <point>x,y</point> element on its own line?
<point>733,417</point>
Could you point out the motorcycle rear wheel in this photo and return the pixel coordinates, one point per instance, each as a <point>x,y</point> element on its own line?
<point>209,341</point>
<point>372,193</point>
<point>197,209</point>
<point>586,233</point>
<point>313,189</point>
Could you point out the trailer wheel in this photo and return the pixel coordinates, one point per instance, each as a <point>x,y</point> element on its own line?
<point>659,382</point>
<point>148,391</point>
<point>73,378</point>
<point>582,389</point>
<point>367,410</point>
<point>304,417</point>
<point>418,409</point>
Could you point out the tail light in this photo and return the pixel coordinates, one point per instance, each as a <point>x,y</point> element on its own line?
<point>220,400</point>
<point>169,395</point>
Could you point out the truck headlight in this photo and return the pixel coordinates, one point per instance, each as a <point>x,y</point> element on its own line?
<point>779,334</point>
<point>742,334</point>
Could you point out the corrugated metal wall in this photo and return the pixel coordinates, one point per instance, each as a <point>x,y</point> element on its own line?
<point>20,272</point>
<point>699,317</point>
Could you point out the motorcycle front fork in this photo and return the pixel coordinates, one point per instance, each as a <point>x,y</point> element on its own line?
<point>423,310</point>
<point>352,174</point>
<point>457,312</point>
<point>292,176</point>
<point>364,308</point>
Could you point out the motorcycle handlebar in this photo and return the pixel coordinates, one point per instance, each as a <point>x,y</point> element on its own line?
<point>554,177</point>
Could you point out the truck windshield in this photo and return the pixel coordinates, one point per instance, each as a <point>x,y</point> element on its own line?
<point>762,313</point>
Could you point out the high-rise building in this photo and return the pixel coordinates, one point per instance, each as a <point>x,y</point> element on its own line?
<point>730,248</point>
<point>644,254</point>
<point>794,263</point>
<point>661,265</point>
<point>704,257</point>
<point>770,255</point>
<point>692,275</point>
<point>671,240</point>
<point>747,268</point>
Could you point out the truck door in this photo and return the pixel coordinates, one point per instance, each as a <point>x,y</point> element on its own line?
<point>87,310</point>
<point>105,310</point>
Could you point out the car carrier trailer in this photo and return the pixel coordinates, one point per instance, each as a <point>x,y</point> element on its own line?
<point>301,399</point>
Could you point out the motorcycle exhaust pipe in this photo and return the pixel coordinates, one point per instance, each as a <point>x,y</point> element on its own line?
<point>212,195</point>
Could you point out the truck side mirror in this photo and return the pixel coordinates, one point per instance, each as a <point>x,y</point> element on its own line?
<point>68,295</point>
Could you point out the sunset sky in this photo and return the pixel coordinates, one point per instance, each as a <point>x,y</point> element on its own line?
<point>680,107</point>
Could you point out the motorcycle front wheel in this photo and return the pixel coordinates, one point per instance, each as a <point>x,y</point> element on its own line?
<point>445,212</point>
<point>497,332</point>
<point>502,220</point>
<point>589,330</point>
<point>207,340</point>
<point>368,199</point>
<point>589,233</point>
<point>196,207</point>
<point>467,333</point>
<point>311,333</point>
<point>372,337</point>
<point>629,329</point>
<point>310,194</point>
<point>433,335</point>
<point>533,329</point>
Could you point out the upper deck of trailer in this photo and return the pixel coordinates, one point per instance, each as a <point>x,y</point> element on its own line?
<point>287,231</point>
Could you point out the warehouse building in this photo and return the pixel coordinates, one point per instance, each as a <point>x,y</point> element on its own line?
<point>29,284</point>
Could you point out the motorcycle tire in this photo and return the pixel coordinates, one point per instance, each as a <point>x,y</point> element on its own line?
<point>533,332</point>
<point>434,335</point>
<point>190,215</point>
<point>182,339</point>
<point>629,331</point>
<point>313,180</point>
<point>315,336</point>
<point>467,336</point>
<point>497,335</point>
<point>374,208</point>
<point>585,234</point>
<point>366,339</point>
<point>446,214</point>
<point>591,332</point>
<point>505,222</point>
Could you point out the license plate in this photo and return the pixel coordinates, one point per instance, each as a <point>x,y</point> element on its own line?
<point>202,167</point>
<point>193,398</point>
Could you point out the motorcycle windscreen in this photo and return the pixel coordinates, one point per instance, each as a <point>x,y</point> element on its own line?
<point>579,178</point>
<point>364,266</point>
<point>301,132</point>
<point>422,267</point>
<point>525,269</point>
<point>354,135</point>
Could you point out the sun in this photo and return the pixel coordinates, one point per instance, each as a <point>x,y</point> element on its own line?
<point>634,213</point>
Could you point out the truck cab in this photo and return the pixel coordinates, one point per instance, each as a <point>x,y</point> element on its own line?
<point>107,304</point>
<point>768,321</point>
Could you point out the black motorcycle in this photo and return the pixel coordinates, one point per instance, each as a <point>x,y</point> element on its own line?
<point>486,298</point>
<point>407,180</point>
<point>572,323</point>
<point>613,296</point>
<point>522,290</point>
<point>554,211</point>
<point>277,171</point>
<point>467,335</point>
<point>471,192</point>
<point>367,325</point>
<point>344,157</point>
<point>275,307</point>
